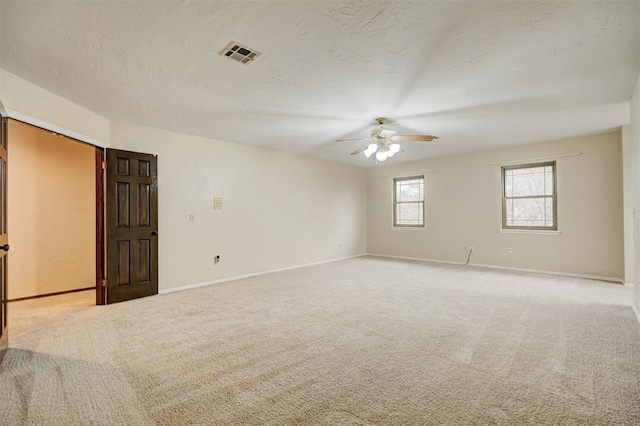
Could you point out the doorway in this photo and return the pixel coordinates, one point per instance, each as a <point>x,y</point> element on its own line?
<point>52,213</point>
<point>60,217</point>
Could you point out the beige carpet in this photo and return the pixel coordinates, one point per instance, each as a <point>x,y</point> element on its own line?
<point>366,341</point>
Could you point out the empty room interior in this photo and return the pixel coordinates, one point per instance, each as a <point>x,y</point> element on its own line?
<point>320,212</point>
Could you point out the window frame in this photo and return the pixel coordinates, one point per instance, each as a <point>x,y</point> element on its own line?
<point>554,196</point>
<point>396,202</point>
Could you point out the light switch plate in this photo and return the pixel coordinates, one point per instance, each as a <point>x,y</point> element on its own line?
<point>217,203</point>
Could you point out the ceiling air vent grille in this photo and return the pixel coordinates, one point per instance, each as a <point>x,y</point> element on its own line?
<point>239,53</point>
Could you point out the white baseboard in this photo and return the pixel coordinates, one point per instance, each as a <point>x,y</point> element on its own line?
<point>630,285</point>
<point>507,268</point>
<point>635,309</point>
<point>419,259</point>
<point>239,277</point>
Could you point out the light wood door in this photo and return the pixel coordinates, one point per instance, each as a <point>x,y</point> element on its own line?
<point>131,225</point>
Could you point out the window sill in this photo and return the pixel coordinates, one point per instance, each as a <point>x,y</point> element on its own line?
<point>408,228</point>
<point>528,231</point>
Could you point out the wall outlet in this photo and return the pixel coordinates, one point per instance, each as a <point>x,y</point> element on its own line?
<point>216,259</point>
<point>509,250</point>
<point>468,248</point>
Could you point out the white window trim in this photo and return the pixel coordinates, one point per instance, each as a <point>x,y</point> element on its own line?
<point>554,196</point>
<point>529,231</point>
<point>408,228</point>
<point>393,205</point>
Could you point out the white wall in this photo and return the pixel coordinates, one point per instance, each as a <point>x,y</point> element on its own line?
<point>463,207</point>
<point>21,97</point>
<point>280,209</point>
<point>51,216</point>
<point>634,135</point>
<point>627,184</point>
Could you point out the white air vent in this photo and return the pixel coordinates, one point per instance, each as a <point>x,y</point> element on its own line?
<point>239,53</point>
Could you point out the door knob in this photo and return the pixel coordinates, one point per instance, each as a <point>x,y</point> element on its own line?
<point>154,233</point>
<point>5,247</point>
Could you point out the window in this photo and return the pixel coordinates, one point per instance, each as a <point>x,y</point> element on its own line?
<point>529,197</point>
<point>408,202</point>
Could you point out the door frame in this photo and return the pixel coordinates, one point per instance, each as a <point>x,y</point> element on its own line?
<point>4,297</point>
<point>99,208</point>
<point>101,252</point>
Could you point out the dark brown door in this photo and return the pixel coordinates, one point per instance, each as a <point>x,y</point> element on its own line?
<point>4,241</point>
<point>131,225</point>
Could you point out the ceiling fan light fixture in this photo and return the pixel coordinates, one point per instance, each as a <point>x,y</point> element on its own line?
<point>385,142</point>
<point>370,150</point>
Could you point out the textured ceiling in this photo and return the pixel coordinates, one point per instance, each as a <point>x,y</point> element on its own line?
<point>479,74</point>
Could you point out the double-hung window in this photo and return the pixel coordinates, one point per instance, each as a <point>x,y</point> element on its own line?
<point>529,197</point>
<point>408,202</point>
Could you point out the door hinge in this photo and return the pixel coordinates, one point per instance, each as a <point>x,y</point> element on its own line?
<point>104,283</point>
<point>104,165</point>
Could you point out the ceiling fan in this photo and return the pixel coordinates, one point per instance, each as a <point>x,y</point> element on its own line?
<point>384,142</point>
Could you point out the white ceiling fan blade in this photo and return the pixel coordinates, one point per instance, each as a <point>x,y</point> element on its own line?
<point>359,150</point>
<point>413,138</point>
<point>353,139</point>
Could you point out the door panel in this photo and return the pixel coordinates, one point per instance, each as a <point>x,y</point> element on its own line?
<point>131,223</point>
<point>4,246</point>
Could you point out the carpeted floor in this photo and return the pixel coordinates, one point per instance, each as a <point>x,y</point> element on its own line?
<point>365,341</point>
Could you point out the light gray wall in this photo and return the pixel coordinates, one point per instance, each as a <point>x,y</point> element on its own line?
<point>627,177</point>
<point>634,135</point>
<point>463,207</point>
<point>279,210</point>
<point>26,98</point>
